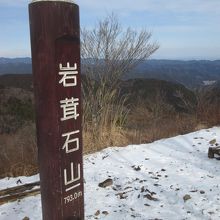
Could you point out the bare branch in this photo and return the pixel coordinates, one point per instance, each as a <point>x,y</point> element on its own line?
<point>109,52</point>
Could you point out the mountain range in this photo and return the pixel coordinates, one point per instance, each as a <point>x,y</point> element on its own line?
<point>192,74</point>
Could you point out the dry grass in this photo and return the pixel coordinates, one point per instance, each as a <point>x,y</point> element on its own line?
<point>106,129</point>
<point>152,129</point>
<point>142,126</point>
<point>105,114</point>
<point>113,125</point>
<point>209,114</point>
<point>92,142</point>
<point>19,152</point>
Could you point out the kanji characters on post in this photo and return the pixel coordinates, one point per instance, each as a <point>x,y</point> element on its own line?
<point>69,111</point>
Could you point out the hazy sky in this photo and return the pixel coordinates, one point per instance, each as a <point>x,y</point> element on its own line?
<point>185,29</point>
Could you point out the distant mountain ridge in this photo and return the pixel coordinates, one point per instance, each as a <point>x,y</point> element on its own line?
<point>151,92</point>
<point>4,60</point>
<point>192,73</point>
<point>144,91</point>
<point>15,65</point>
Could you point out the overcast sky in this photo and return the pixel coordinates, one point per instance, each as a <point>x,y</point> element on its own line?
<point>185,29</point>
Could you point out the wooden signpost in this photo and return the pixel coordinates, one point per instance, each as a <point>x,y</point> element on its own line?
<point>55,44</point>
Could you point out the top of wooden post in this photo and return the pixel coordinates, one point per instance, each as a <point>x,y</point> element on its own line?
<point>70,1</point>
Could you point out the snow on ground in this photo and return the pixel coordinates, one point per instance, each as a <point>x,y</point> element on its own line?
<point>209,82</point>
<point>170,179</point>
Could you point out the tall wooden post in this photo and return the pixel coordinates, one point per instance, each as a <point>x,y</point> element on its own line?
<point>55,44</point>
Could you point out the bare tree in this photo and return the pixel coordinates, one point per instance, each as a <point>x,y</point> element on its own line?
<point>109,52</point>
